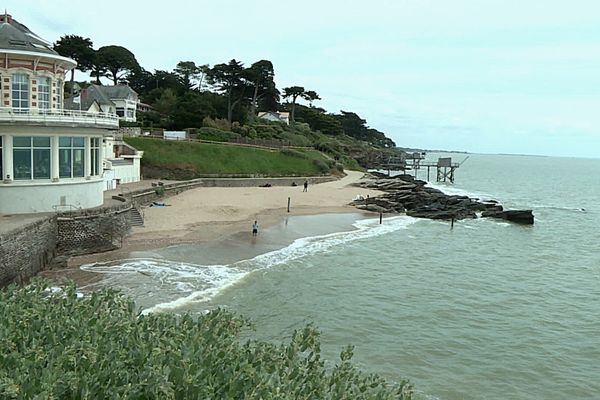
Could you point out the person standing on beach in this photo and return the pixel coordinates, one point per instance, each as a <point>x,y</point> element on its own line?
<point>255,228</point>
<point>305,186</point>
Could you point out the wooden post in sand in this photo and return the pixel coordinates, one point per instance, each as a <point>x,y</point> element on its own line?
<point>380,218</point>
<point>289,204</point>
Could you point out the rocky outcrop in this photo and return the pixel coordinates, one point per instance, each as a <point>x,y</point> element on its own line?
<point>404,194</point>
<point>518,216</point>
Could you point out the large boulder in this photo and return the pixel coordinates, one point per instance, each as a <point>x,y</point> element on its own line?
<point>519,216</point>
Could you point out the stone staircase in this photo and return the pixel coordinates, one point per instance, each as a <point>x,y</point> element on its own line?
<point>135,217</point>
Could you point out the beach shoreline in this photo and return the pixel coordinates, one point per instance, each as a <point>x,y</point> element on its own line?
<point>213,214</point>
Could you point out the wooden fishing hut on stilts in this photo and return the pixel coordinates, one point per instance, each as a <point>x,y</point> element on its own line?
<point>404,162</point>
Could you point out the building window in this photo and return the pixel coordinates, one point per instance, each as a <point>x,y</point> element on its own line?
<point>120,111</point>
<point>1,158</point>
<point>43,94</point>
<point>95,156</point>
<point>20,92</point>
<point>59,94</point>
<point>71,160</point>
<point>129,113</point>
<point>31,157</point>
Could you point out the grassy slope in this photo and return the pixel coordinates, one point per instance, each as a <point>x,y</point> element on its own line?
<point>202,158</point>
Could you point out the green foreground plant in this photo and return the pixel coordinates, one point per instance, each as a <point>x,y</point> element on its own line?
<point>59,346</point>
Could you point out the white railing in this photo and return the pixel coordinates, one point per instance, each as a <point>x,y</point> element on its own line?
<point>10,114</point>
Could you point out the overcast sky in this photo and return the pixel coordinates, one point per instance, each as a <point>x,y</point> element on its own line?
<point>490,76</point>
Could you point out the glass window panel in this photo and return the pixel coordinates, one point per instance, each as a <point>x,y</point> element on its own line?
<point>22,141</point>
<point>22,163</point>
<point>41,141</point>
<point>95,162</point>
<point>20,91</point>
<point>1,158</point>
<point>59,95</point>
<point>78,142</point>
<point>43,93</point>
<point>64,142</point>
<point>78,163</point>
<point>64,163</point>
<point>41,164</point>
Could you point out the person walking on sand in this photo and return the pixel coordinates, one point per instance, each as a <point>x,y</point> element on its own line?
<point>305,186</point>
<point>255,228</point>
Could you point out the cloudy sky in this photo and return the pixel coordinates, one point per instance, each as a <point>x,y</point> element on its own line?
<point>490,76</point>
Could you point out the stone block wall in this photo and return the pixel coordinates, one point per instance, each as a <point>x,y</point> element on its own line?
<point>27,250</point>
<point>93,232</point>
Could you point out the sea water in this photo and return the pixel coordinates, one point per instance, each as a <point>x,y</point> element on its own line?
<point>486,310</point>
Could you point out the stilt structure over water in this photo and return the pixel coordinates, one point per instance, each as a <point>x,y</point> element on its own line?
<point>406,162</point>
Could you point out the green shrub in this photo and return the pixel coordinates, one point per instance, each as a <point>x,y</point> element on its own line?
<point>296,139</point>
<point>294,153</point>
<point>217,135</point>
<point>322,166</point>
<point>59,346</point>
<point>217,123</point>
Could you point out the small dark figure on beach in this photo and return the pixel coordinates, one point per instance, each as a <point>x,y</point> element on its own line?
<point>294,184</point>
<point>305,186</point>
<point>255,228</point>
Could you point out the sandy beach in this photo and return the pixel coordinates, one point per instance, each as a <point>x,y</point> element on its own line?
<point>214,213</point>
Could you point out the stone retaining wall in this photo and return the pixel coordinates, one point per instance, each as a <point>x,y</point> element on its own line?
<point>93,232</point>
<point>27,250</point>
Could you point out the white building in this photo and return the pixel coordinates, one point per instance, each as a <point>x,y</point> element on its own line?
<point>120,99</point>
<point>50,158</point>
<point>275,116</point>
<point>121,163</point>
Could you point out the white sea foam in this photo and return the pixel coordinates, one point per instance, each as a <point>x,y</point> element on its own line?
<point>454,191</point>
<point>200,283</point>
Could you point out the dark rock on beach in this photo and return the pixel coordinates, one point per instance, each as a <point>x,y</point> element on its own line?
<point>519,216</point>
<point>403,193</point>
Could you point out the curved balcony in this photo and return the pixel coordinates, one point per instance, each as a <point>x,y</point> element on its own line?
<point>73,118</point>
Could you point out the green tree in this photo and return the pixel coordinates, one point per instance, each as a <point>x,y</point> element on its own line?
<point>311,96</point>
<point>191,110</point>
<point>294,92</point>
<point>79,49</point>
<point>202,74</point>
<point>166,103</point>
<point>142,82</point>
<point>319,120</point>
<point>230,80</point>
<point>186,71</point>
<point>117,62</point>
<point>265,94</point>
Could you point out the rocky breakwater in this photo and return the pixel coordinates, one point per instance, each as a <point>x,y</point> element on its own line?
<point>404,194</point>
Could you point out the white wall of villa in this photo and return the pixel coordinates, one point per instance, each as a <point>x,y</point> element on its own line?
<point>50,197</point>
<point>118,167</point>
<point>44,168</point>
<point>51,159</point>
<point>126,109</point>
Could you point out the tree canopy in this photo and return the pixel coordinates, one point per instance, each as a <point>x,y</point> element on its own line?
<point>117,62</point>
<point>79,49</point>
<point>193,94</point>
<point>230,79</point>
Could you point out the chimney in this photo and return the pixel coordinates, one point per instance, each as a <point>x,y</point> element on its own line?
<point>6,18</point>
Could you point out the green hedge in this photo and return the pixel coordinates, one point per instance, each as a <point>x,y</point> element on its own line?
<point>59,346</point>
<point>217,135</point>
